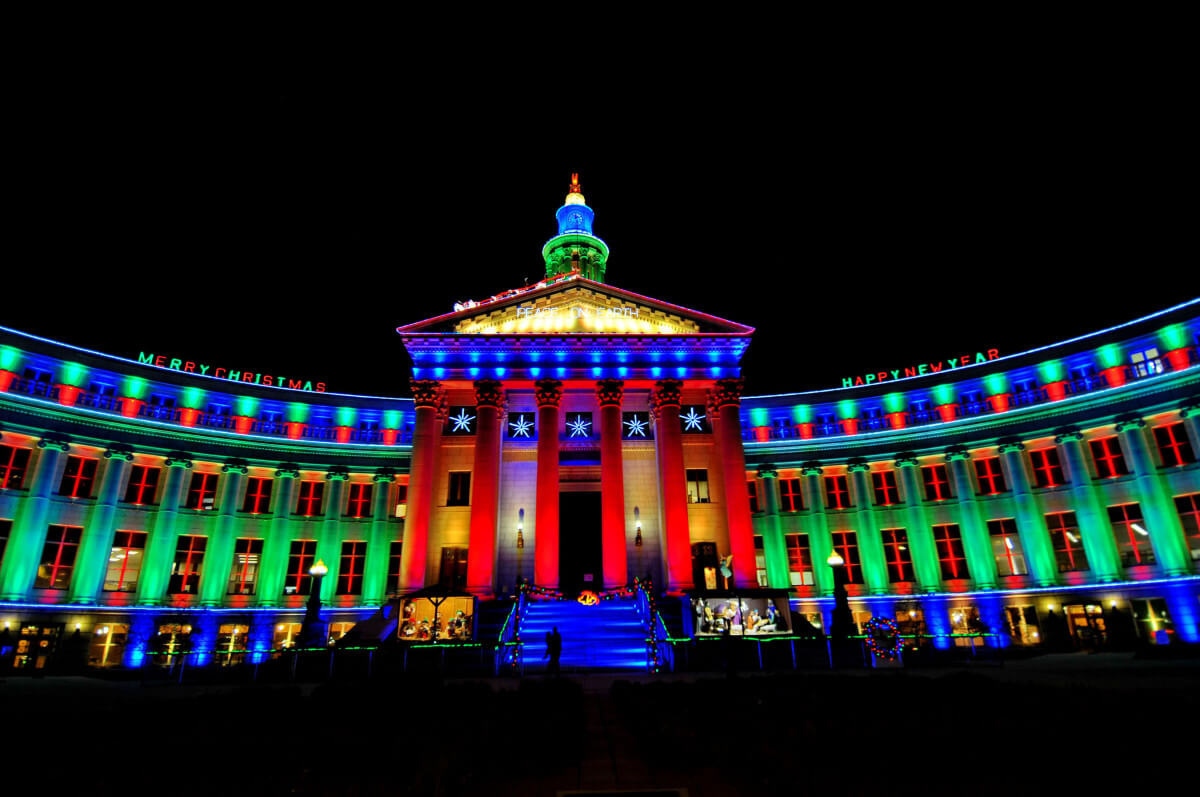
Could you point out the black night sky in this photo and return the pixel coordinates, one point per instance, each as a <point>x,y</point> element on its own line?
<point>287,219</point>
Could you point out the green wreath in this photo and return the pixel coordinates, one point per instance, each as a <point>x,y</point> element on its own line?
<point>883,637</point>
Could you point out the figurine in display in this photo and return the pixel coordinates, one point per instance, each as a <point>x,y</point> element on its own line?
<point>702,613</point>
<point>423,631</point>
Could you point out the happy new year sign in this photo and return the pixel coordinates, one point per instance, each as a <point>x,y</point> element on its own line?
<point>921,369</point>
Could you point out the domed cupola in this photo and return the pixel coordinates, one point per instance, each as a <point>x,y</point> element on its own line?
<point>575,248</point>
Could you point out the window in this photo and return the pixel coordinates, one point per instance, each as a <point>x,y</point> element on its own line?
<point>964,621</point>
<point>1133,541</point>
<point>359,503</point>
<point>350,573</point>
<point>919,412</point>
<point>1110,462</point>
<point>173,640</point>
<point>58,557</point>
<point>231,644</point>
<point>300,559</point>
<point>13,464</point>
<point>800,570</point>
<point>453,572</point>
<point>1145,363</point>
<point>837,493</point>
<point>951,557</point>
<point>1006,547</point>
<point>286,635</point>
<point>5,531</point>
<point>752,488</point>
<point>697,486</point>
<point>108,645</point>
<point>1153,620</point>
<point>790,498</point>
<point>460,488</point>
<point>37,383</point>
<point>185,570</point>
<point>937,484</point>
<point>1046,470</point>
<point>886,492</point>
<point>1068,547</point>
<point>142,483</point>
<point>395,556</point>
<point>1021,623</point>
<point>991,476</point>
<point>78,477</point>
<point>1173,445</point>
<point>125,561</point>
<point>247,555</point>
<point>312,499</point>
<point>1026,391</point>
<point>845,543</point>
<point>1188,507</point>
<point>202,494</point>
<point>258,496</point>
<point>897,555</point>
<point>760,561</point>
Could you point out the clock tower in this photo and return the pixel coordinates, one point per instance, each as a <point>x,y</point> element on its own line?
<point>575,248</point>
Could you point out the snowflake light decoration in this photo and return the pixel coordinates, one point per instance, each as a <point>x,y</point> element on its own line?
<point>521,427</point>
<point>462,421</point>
<point>692,420</point>
<point>636,426</point>
<point>580,427</point>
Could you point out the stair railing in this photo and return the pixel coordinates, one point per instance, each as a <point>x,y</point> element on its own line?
<point>659,653</point>
<point>510,651</point>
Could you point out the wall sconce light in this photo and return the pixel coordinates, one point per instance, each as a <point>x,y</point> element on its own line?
<point>521,528</point>
<point>637,523</point>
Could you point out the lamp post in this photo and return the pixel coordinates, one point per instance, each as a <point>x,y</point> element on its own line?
<point>520,547</point>
<point>637,539</point>
<point>313,634</point>
<point>843,621</point>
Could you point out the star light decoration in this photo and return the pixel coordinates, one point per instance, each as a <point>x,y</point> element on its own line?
<point>580,427</point>
<point>692,420</point>
<point>521,427</point>
<point>462,421</point>
<point>636,427</point>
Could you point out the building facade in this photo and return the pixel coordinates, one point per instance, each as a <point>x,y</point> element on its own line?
<point>575,434</point>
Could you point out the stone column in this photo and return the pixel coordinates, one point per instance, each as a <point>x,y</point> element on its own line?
<point>1162,521</point>
<point>609,393</point>
<point>91,561</point>
<point>329,543</point>
<point>28,537</point>
<point>820,543</point>
<point>485,488</point>
<point>920,534</point>
<point>1098,542</point>
<point>977,545</point>
<point>1031,522</point>
<point>672,482</point>
<point>726,398</point>
<point>870,543</point>
<point>428,398</point>
<point>218,557</point>
<point>160,544</point>
<point>774,546</point>
<point>374,589</point>
<point>277,545</point>
<point>545,555</point>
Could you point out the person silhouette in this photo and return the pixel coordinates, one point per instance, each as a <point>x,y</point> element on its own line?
<point>553,650</point>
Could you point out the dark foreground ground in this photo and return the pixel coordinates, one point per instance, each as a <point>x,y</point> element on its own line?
<point>1068,724</point>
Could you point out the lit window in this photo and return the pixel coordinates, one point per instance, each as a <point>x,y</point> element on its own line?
<point>78,477</point>
<point>953,561</point>
<point>108,645</point>
<point>937,484</point>
<point>897,554</point>
<point>1133,541</point>
<point>1188,507</point>
<point>846,544</point>
<point>1006,547</point>
<point>459,493</point>
<point>231,644</point>
<point>800,571</point>
<point>1153,620</point>
<point>697,486</point>
<point>350,573</point>
<point>1145,363</point>
<point>965,623</point>
<point>125,561</point>
<point>286,635</point>
<point>300,559</point>
<point>1068,545</point>
<point>359,502</point>
<point>142,483</point>
<point>1173,445</point>
<point>395,557</point>
<point>886,491</point>
<point>185,570</point>
<point>837,492</point>
<point>258,496</point>
<point>202,494</point>
<point>173,640</point>
<point>760,561</point>
<point>1047,471</point>
<point>991,476</point>
<point>1021,623</point>
<point>58,557</point>
<point>247,556</point>
<point>1110,462</point>
<point>790,498</point>
<point>13,464</point>
<point>312,499</point>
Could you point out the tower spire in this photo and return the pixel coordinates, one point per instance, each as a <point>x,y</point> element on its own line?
<point>576,247</point>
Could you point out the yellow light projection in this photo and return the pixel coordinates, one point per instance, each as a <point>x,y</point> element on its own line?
<point>574,312</point>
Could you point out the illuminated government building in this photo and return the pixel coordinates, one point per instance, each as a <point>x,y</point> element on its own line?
<point>575,435</point>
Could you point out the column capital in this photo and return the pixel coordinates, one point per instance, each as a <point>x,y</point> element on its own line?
<point>1011,446</point>
<point>119,452</point>
<point>235,466</point>
<point>1067,433</point>
<point>488,393</point>
<point>1190,409</point>
<point>666,393</point>
<point>548,392</point>
<point>856,465</point>
<point>178,459</point>
<point>1127,423</point>
<point>810,469</point>
<point>427,392</point>
<point>905,459</point>
<point>337,474</point>
<point>288,470</point>
<point>609,392</point>
<point>726,392</point>
<point>55,443</point>
<point>384,476</point>
<point>768,472</point>
<point>954,453</point>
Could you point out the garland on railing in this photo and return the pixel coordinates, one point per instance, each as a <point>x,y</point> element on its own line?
<point>647,588</point>
<point>625,591</point>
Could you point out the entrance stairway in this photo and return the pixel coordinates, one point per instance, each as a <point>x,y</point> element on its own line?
<point>606,636</point>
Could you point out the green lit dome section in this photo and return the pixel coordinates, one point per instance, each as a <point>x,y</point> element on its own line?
<point>575,248</point>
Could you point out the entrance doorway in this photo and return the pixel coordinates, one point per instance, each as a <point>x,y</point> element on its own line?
<point>454,568</point>
<point>1086,623</point>
<point>580,551</point>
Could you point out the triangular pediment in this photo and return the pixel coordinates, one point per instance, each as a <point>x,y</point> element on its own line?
<point>575,306</point>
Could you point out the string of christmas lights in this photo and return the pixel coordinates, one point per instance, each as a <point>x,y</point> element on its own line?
<point>883,637</point>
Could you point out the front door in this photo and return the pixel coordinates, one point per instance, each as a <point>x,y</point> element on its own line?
<point>1086,623</point>
<point>454,568</point>
<point>580,552</point>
